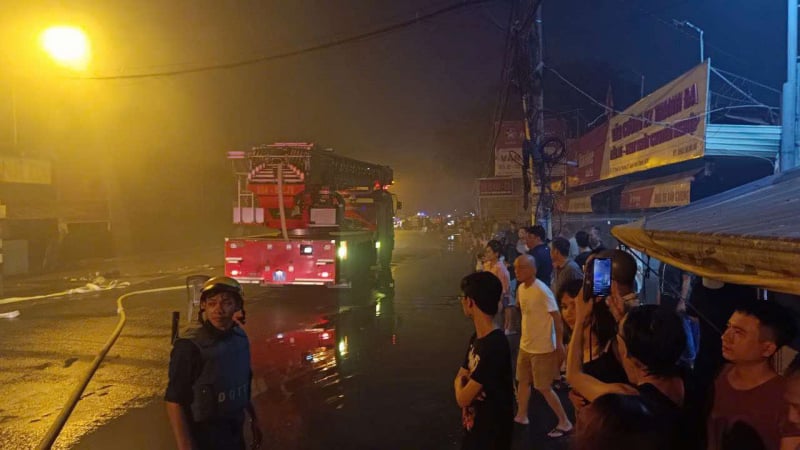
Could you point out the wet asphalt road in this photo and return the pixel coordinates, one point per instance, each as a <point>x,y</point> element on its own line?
<point>333,368</point>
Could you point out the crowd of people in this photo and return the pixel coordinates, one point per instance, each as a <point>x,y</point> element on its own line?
<point>640,376</point>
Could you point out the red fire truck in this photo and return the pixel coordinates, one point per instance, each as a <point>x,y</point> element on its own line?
<point>319,218</point>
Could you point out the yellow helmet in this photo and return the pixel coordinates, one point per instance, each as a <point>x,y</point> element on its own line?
<point>221,284</point>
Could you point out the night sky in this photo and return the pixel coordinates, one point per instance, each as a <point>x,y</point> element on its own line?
<point>420,99</point>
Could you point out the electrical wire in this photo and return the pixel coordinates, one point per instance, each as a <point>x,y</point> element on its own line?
<point>505,76</point>
<point>687,33</point>
<point>756,83</point>
<point>489,17</point>
<point>736,88</point>
<point>585,27</point>
<point>726,97</point>
<point>290,53</point>
<point>621,113</point>
<point>666,125</point>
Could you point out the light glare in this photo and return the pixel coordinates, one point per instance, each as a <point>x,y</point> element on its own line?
<point>68,46</point>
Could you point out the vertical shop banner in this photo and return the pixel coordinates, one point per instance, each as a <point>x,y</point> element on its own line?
<point>508,162</point>
<point>666,127</point>
<point>508,150</point>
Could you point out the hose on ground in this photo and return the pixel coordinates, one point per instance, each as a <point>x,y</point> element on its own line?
<point>52,434</point>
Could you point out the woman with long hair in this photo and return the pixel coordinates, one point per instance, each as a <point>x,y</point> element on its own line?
<point>650,341</point>
<point>600,359</point>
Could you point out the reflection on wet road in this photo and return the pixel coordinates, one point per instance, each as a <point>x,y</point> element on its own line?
<point>362,368</point>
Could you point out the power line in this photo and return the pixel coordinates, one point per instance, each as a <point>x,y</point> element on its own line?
<point>493,20</point>
<point>669,125</point>
<point>756,83</point>
<point>687,33</point>
<point>726,97</point>
<point>737,88</point>
<point>505,76</point>
<point>324,46</point>
<point>583,25</point>
<point>621,113</point>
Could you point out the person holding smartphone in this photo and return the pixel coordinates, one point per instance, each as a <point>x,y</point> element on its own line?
<point>599,347</point>
<point>650,341</point>
<point>614,283</point>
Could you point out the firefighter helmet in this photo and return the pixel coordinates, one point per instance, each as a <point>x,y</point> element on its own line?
<point>216,285</point>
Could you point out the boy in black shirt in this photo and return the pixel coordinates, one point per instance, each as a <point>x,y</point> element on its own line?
<point>484,385</point>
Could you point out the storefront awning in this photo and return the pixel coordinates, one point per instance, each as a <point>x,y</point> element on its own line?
<point>581,202</point>
<point>664,192</point>
<point>748,235</point>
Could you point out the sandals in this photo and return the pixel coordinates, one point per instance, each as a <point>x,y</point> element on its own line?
<point>556,432</point>
<point>560,384</point>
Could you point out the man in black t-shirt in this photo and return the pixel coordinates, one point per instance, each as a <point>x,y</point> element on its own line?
<point>484,385</point>
<point>584,250</point>
<point>535,241</point>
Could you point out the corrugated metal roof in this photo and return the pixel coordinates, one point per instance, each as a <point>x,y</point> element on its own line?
<point>748,235</point>
<point>767,208</point>
<point>742,140</point>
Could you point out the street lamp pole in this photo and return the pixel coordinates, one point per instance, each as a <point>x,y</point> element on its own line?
<point>14,128</point>
<point>686,23</point>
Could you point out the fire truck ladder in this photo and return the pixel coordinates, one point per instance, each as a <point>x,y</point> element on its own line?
<point>319,167</point>
<point>295,163</point>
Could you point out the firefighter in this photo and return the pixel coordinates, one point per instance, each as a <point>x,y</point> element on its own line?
<point>209,375</point>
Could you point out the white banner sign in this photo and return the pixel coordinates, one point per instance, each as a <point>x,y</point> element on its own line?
<point>508,162</point>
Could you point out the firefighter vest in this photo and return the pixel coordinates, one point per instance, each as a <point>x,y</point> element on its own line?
<point>222,390</point>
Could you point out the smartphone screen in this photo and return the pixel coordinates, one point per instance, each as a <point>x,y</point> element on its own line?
<point>601,277</point>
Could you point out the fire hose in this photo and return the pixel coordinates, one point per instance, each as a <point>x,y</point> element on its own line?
<point>52,434</point>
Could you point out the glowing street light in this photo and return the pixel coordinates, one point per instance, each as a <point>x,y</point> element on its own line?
<point>68,46</point>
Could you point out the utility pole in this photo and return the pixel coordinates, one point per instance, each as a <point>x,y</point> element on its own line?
<point>529,65</point>
<point>789,111</point>
<point>538,106</point>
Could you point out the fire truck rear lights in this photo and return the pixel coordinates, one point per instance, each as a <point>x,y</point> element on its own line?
<point>291,268</point>
<point>325,274</point>
<point>269,246</point>
<point>306,249</point>
<point>234,272</point>
<point>325,336</point>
